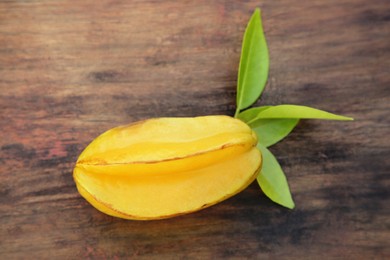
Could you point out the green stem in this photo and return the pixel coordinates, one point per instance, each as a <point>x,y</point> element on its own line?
<point>236,113</point>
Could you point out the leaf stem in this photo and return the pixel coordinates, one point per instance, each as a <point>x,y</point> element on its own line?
<point>237,112</point>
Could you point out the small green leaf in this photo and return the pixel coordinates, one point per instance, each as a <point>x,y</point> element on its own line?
<point>295,111</point>
<point>272,180</point>
<point>269,131</point>
<point>254,64</point>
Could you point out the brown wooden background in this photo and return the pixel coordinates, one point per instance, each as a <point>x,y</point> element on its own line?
<point>70,70</point>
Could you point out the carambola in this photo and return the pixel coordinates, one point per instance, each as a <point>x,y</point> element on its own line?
<point>165,167</point>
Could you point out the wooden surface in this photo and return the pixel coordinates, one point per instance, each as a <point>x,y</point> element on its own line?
<point>70,70</point>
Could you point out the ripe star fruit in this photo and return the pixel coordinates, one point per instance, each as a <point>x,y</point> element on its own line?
<point>165,167</point>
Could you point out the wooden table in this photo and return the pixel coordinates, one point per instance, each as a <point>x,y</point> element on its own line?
<point>70,70</point>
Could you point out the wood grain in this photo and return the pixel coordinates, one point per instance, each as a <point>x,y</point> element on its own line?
<point>70,70</point>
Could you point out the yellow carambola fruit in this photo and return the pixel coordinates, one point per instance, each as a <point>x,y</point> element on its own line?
<point>165,167</point>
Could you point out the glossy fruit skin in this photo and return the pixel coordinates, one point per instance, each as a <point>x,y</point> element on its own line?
<point>164,167</point>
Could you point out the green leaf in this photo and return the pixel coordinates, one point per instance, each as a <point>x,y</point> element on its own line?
<point>295,111</point>
<point>272,180</point>
<point>269,131</point>
<point>254,64</point>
